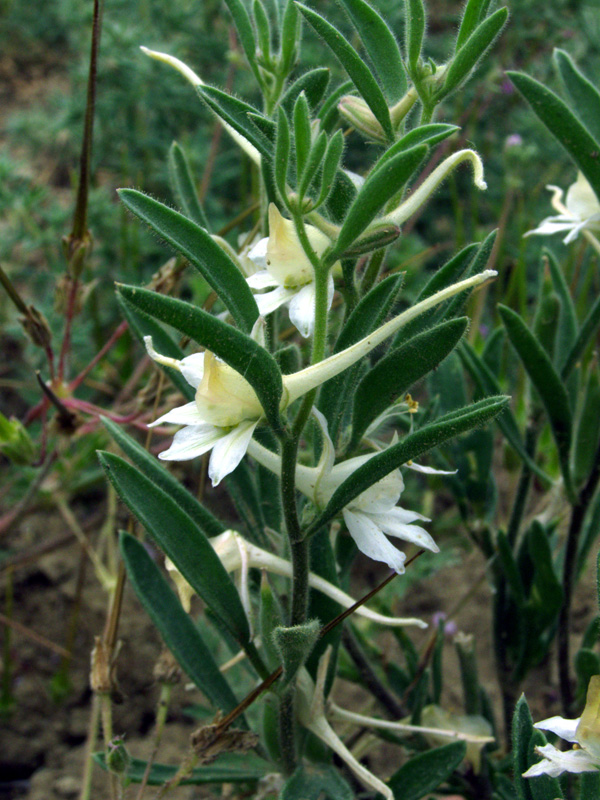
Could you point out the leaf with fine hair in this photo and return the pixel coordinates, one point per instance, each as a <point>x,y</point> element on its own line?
<point>471,17</point>
<point>312,782</point>
<point>414,33</point>
<point>396,372</point>
<point>354,66</point>
<point>382,184</point>
<point>237,114</point>
<point>563,125</point>
<point>176,627</point>
<point>232,346</point>
<point>381,47</point>
<point>182,182</point>
<point>230,768</point>
<point>425,772</point>
<point>548,384</point>
<point>182,540</point>
<point>314,85</point>
<point>589,326</point>
<point>410,447</point>
<point>584,96</point>
<point>196,244</point>
<point>282,154</point>
<point>243,25</point>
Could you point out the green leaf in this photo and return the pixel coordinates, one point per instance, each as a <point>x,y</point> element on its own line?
<point>548,384</point>
<point>510,568</point>
<point>311,170</point>
<point>328,113</point>
<point>472,50</point>
<point>243,25</point>
<point>429,134</point>
<point>415,32</point>
<point>175,626</point>
<point>143,325</point>
<point>566,332</point>
<point>587,433</point>
<point>237,114</point>
<point>302,132</point>
<point>487,384</point>
<point>586,333</point>
<point>331,161</point>
<point>426,772</point>
<point>394,374</point>
<point>263,29</point>
<point>294,645</point>
<point>415,444</point>
<point>153,469</point>
<point>589,786</point>
<point>181,539</point>
<point>470,19</point>
<point>479,263</point>
<point>381,47</point>
<point>199,248</point>
<point>282,154</point>
<point>290,36</point>
<point>563,125</point>
<point>316,782</point>
<point>585,98</point>
<point>184,187</point>
<point>229,768</point>
<point>522,731</point>
<point>313,83</point>
<point>234,347</point>
<point>381,184</point>
<point>543,787</point>
<point>354,65</point>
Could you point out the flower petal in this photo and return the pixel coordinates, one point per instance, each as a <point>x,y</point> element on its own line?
<point>555,762</point>
<point>261,280</point>
<point>192,441</point>
<point>391,523</point>
<point>182,415</point>
<point>302,309</point>
<point>565,728</point>
<point>258,253</point>
<point>372,542</point>
<point>581,200</point>
<point>229,450</point>
<point>192,369</point>
<point>269,301</point>
<point>429,470</point>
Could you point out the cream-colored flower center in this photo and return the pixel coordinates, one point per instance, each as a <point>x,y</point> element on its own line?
<point>224,397</point>
<point>286,260</point>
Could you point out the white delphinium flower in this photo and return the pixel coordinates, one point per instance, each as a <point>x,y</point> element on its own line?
<point>370,517</point>
<point>580,213</point>
<point>285,270</point>
<point>239,555</point>
<point>584,733</point>
<point>226,409</point>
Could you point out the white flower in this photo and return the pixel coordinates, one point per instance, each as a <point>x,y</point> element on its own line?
<point>371,515</point>
<point>583,732</point>
<point>581,212</point>
<point>226,410</point>
<point>286,271</point>
<point>239,555</point>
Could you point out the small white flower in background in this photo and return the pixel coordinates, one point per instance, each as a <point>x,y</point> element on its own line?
<point>584,733</point>
<point>581,212</point>
<point>226,409</point>
<point>239,555</point>
<point>370,517</point>
<point>284,270</point>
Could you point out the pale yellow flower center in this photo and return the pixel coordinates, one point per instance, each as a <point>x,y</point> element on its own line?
<point>224,397</point>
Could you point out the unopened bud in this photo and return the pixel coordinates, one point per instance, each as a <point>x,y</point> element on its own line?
<point>374,239</point>
<point>356,112</point>
<point>76,252</point>
<point>36,327</point>
<point>15,442</point>
<point>117,756</point>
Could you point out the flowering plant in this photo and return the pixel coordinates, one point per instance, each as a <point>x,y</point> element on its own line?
<point>299,433</point>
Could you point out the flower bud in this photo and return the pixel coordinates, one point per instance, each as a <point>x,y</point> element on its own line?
<point>117,756</point>
<point>15,442</point>
<point>286,261</point>
<point>358,114</point>
<point>225,397</point>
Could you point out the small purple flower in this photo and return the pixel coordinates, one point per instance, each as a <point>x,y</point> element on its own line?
<point>514,140</point>
<point>506,87</point>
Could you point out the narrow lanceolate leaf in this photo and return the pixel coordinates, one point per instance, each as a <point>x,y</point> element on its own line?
<point>394,374</point>
<point>415,444</point>
<point>547,382</point>
<point>381,47</point>
<point>183,186</point>
<point>429,134</point>
<point>313,83</point>
<point>236,113</point>
<point>566,332</point>
<point>486,382</point>
<point>282,154</point>
<point>199,248</point>
<point>585,98</point>
<point>290,35</point>
<point>229,768</point>
<point>381,184</point>
<point>354,66</point>
<point>153,469</point>
<point>522,731</point>
<point>175,626</point>
<point>312,782</point>
<point>562,124</point>
<point>470,19</point>
<point>182,540</point>
<point>234,347</point>
<point>331,161</point>
<point>426,772</point>
<point>415,32</point>
<point>302,132</point>
<point>473,49</point>
<point>588,329</point>
<point>242,22</point>
<point>142,325</point>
